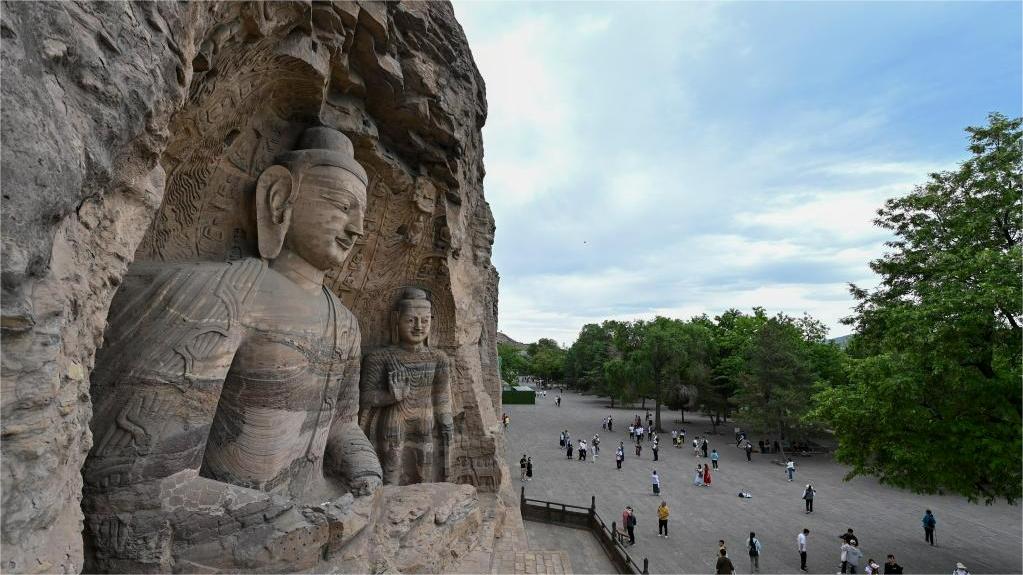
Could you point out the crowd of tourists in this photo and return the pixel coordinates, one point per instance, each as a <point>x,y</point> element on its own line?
<point>850,559</point>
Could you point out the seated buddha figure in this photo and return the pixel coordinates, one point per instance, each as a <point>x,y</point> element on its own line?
<point>406,397</point>
<point>226,396</point>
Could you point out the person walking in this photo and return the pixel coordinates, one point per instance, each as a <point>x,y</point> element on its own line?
<point>674,438</point>
<point>639,448</point>
<point>754,548</point>
<point>749,451</point>
<point>569,449</point>
<point>698,478</point>
<point>891,567</point>
<point>596,447</point>
<point>808,494</point>
<point>610,423</point>
<point>929,523</point>
<point>714,456</point>
<point>561,439</point>
<point>632,431</point>
<point>706,476</point>
<point>801,545</point>
<point>656,480</point>
<point>557,401</point>
<point>603,424</point>
<point>522,468</point>
<point>655,449</point>
<point>662,519</point>
<point>703,446</point>
<point>568,438</point>
<point>619,457</point>
<point>724,565</point>
<point>790,468</point>
<point>529,469</point>
<point>696,446</point>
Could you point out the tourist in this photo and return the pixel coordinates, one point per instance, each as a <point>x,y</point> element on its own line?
<point>650,431</point>
<point>929,522</point>
<point>522,468</point>
<point>596,446</point>
<point>703,446</point>
<point>696,446</point>
<point>724,565</point>
<point>749,451</point>
<point>557,401</point>
<point>801,544</point>
<point>662,519</point>
<point>808,494</point>
<point>654,448</point>
<point>698,478</point>
<point>706,476</point>
<point>569,449</point>
<point>872,568</point>
<point>721,546</point>
<point>755,548</point>
<point>891,567</point>
<point>632,432</point>
<point>568,438</point>
<point>610,423</point>
<point>714,456</point>
<point>629,520</point>
<point>847,536</point>
<point>656,480</point>
<point>674,438</point>
<point>960,570</point>
<point>776,448</point>
<point>760,444</point>
<point>561,439</point>
<point>790,468</point>
<point>639,448</point>
<point>639,433</point>
<point>505,420</point>
<point>619,457</point>
<point>529,469</point>
<point>853,556</point>
<point>582,450</point>
<point>682,436</point>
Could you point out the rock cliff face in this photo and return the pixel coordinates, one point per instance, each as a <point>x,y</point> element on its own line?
<point>136,130</point>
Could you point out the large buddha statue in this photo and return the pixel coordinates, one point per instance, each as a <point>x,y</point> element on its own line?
<point>226,397</point>
<point>406,404</point>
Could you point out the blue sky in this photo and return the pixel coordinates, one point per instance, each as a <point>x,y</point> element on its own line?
<point>677,158</point>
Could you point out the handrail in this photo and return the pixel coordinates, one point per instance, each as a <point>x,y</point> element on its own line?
<point>606,536</point>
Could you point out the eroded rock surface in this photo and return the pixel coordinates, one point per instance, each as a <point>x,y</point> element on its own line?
<point>136,131</point>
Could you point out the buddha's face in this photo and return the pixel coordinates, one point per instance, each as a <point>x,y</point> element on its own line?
<point>326,219</point>
<point>414,323</point>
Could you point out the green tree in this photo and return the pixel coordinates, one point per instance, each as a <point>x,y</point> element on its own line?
<point>547,360</point>
<point>934,401</point>
<point>513,362</point>
<point>663,354</point>
<point>585,358</point>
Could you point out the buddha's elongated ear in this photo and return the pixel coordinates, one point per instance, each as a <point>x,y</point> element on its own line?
<point>274,197</point>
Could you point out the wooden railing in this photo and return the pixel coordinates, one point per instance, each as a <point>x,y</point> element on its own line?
<point>584,518</point>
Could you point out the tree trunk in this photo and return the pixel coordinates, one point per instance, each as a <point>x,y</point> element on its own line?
<point>714,425</point>
<point>657,405</point>
<point>643,405</point>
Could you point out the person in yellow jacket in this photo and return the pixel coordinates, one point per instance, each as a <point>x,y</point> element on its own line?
<point>662,519</point>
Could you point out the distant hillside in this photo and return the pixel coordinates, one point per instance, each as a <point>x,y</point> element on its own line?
<point>840,341</point>
<point>501,338</point>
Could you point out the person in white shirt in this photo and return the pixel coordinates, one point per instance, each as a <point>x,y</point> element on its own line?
<point>656,480</point>
<point>801,543</point>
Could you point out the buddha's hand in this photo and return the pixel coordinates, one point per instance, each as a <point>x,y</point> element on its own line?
<point>366,484</point>
<point>446,429</point>
<point>399,378</point>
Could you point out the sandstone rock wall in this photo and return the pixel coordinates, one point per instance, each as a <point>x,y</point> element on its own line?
<point>135,130</point>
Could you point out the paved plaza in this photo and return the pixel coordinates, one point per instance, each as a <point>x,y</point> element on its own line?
<point>988,539</point>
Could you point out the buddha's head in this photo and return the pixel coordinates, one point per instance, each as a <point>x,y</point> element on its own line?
<point>411,319</point>
<point>312,201</point>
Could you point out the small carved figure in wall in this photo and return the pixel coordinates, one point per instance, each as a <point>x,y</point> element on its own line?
<point>406,404</point>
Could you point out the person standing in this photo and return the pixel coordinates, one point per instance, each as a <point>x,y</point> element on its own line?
<point>714,456</point>
<point>529,469</point>
<point>654,449</point>
<point>639,448</point>
<point>632,432</point>
<point>698,478</point>
<point>674,438</point>
<point>854,556</point>
<point>522,468</point>
<point>721,546</point>
<point>749,451</point>
<point>569,449</point>
<point>724,565</point>
<point>582,450</point>
<point>610,423</point>
<point>754,552</point>
<point>561,438</point>
<point>603,424</point>
<point>872,568</point>
<point>696,446</point>
<point>891,567</point>
<point>630,524</point>
<point>790,468</point>
<point>801,545</point>
<point>662,519</point>
<point>596,447</point>
<point>960,570</point>
<point>703,446</point>
<point>808,494</point>
<point>619,457</point>
<point>557,401</point>
<point>656,480</point>
<point>929,523</point>
<point>706,476</point>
